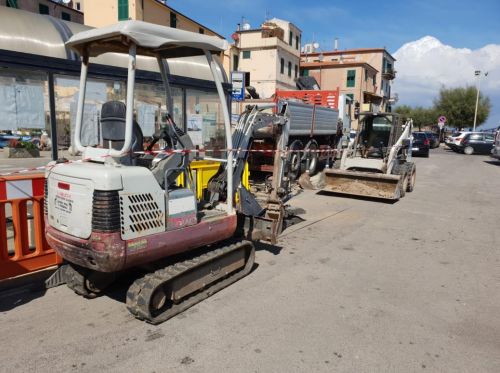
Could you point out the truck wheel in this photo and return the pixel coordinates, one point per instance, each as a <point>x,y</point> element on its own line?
<point>312,157</point>
<point>294,160</point>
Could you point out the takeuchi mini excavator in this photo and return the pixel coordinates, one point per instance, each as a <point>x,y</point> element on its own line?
<point>122,206</point>
<point>378,163</point>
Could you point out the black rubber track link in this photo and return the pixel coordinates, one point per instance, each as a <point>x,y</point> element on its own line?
<point>141,292</point>
<point>86,282</point>
<point>75,279</point>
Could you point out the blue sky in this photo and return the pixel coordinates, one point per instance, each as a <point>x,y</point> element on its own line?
<point>361,23</point>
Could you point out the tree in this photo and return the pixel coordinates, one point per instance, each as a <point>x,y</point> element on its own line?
<point>421,116</point>
<point>458,106</point>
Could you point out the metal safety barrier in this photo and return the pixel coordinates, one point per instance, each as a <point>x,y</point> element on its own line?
<point>23,248</point>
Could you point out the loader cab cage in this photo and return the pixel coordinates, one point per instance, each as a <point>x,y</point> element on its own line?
<point>163,43</point>
<point>378,132</point>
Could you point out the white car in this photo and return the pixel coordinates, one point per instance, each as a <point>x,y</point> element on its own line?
<point>453,141</point>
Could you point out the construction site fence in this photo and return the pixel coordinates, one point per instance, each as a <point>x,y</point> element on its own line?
<point>23,247</point>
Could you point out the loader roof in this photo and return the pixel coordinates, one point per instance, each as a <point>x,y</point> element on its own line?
<point>150,39</point>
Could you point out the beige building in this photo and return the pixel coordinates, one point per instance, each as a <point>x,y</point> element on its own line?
<point>270,55</point>
<point>363,74</point>
<point>48,7</point>
<point>100,13</point>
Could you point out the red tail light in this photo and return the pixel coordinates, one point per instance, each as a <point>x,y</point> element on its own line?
<point>426,142</point>
<point>63,186</point>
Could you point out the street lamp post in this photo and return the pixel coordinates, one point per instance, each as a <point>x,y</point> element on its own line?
<point>478,74</point>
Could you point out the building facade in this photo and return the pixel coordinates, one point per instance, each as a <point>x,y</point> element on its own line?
<point>57,9</point>
<point>365,75</point>
<point>270,55</point>
<point>100,13</point>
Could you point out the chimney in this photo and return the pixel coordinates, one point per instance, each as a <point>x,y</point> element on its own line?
<point>336,44</point>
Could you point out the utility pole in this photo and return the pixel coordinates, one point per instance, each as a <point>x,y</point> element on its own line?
<point>478,74</point>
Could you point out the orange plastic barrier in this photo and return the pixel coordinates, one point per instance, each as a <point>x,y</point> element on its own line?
<point>23,248</point>
<point>322,98</point>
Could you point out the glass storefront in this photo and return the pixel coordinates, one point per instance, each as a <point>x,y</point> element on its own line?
<point>205,121</point>
<point>24,107</point>
<point>24,104</point>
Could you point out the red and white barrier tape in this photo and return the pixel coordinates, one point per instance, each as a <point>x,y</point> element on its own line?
<point>175,151</point>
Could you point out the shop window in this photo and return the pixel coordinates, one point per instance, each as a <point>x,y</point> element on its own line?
<point>122,10</point>
<point>351,78</point>
<point>12,4</point>
<point>205,123</point>
<point>149,106</point>
<point>236,62</point>
<point>24,108</point>
<point>43,9</point>
<point>246,55</point>
<point>173,20</point>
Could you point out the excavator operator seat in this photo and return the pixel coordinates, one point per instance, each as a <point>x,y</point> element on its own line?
<point>113,130</point>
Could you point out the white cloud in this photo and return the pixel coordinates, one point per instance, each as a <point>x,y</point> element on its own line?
<point>425,65</point>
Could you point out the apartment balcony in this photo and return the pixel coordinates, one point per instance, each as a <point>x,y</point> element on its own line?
<point>389,74</point>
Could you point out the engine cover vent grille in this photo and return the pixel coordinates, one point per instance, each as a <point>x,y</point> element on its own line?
<point>45,197</point>
<point>141,214</point>
<point>106,211</point>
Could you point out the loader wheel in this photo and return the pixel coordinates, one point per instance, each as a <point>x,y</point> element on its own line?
<point>404,185</point>
<point>412,176</point>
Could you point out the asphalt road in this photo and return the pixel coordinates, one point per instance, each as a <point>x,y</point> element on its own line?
<point>359,286</point>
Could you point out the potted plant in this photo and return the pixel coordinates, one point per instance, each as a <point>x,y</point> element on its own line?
<point>22,149</point>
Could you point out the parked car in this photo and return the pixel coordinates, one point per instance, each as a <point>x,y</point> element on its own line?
<point>421,144</point>
<point>433,138</point>
<point>495,151</point>
<point>453,141</point>
<point>476,143</point>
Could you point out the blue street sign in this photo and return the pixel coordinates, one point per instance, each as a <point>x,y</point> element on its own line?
<point>238,82</point>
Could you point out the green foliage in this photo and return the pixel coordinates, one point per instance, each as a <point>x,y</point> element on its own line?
<point>458,106</point>
<point>421,116</point>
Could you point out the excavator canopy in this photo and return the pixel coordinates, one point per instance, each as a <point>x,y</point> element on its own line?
<point>150,39</point>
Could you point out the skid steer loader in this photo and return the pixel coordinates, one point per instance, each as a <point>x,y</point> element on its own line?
<point>122,207</point>
<point>378,163</point>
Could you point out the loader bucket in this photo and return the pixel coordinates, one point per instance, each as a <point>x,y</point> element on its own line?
<point>363,184</point>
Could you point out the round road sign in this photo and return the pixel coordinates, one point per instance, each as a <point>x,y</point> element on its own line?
<point>442,119</point>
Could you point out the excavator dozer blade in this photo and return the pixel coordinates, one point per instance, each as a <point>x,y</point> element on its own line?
<point>363,184</point>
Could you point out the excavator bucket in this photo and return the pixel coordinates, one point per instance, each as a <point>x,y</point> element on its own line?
<point>362,184</point>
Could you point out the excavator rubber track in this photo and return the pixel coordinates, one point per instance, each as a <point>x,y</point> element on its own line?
<point>160,295</point>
